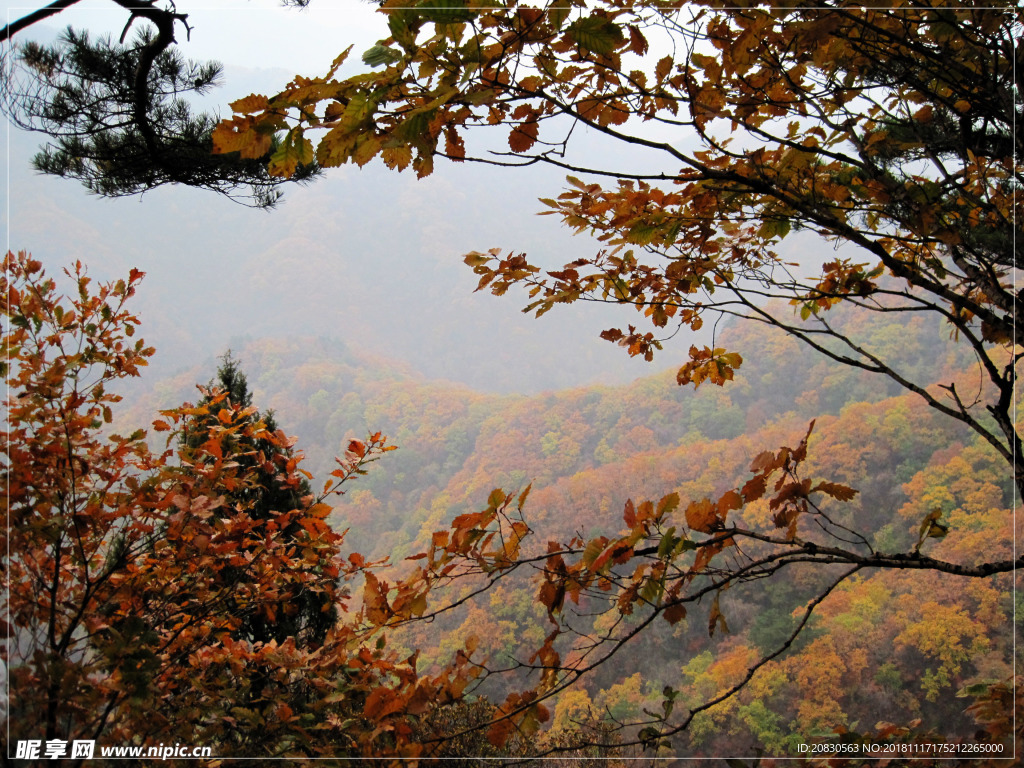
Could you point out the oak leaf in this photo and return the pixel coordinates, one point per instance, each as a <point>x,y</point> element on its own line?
<point>523,136</point>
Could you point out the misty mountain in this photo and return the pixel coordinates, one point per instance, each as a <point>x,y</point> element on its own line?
<point>367,255</point>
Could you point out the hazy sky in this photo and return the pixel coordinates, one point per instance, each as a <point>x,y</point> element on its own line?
<point>365,255</point>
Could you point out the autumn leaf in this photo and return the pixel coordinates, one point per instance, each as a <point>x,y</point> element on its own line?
<point>817,101</point>
<point>637,42</point>
<point>499,732</point>
<point>629,514</point>
<point>523,136</point>
<point>153,643</point>
<point>382,702</point>
<point>836,491</point>
<point>295,149</point>
<point>251,103</point>
<point>396,158</point>
<point>243,135</point>
<point>675,613</point>
<point>596,34</point>
<point>715,619</point>
<point>714,365</point>
<point>931,527</point>
<point>667,505</point>
<point>754,488</point>
<point>702,516</point>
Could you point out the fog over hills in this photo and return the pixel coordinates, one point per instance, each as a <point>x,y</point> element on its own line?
<point>366,255</point>
<point>369,256</point>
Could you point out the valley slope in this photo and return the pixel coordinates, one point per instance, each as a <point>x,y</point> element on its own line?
<point>897,643</point>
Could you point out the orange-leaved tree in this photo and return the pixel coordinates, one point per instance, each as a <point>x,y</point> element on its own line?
<point>131,570</point>
<point>887,131</point>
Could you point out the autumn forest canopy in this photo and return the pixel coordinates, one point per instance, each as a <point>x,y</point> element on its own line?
<point>799,542</point>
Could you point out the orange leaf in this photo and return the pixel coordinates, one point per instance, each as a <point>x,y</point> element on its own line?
<point>629,515</point>
<point>242,135</point>
<point>754,488</point>
<point>499,732</point>
<point>381,703</point>
<point>764,460</point>
<point>730,500</point>
<point>702,516</point>
<point>523,136</point>
<point>320,510</point>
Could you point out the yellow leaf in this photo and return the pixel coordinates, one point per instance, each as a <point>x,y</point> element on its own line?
<point>243,135</point>
<point>419,605</point>
<point>320,510</point>
<point>366,149</point>
<point>283,162</point>
<point>396,158</point>
<point>251,103</point>
<point>338,62</point>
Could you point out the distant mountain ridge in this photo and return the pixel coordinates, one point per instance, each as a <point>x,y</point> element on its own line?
<point>586,450</point>
<point>455,443</point>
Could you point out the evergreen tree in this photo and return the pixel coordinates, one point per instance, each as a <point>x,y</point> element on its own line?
<point>306,615</point>
<point>117,115</point>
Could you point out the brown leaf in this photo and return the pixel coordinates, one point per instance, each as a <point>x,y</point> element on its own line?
<point>675,613</point>
<point>729,501</point>
<point>382,702</point>
<point>764,460</point>
<point>523,136</point>
<point>716,619</point>
<point>637,41</point>
<point>836,491</point>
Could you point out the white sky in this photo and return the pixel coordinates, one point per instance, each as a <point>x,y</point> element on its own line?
<point>255,33</point>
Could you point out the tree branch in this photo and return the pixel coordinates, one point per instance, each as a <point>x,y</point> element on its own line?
<point>27,21</point>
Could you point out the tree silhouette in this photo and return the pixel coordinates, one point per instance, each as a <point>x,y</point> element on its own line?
<point>117,113</point>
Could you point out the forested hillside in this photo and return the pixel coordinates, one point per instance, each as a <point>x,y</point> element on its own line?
<point>885,646</point>
<point>455,444</point>
<point>799,542</point>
